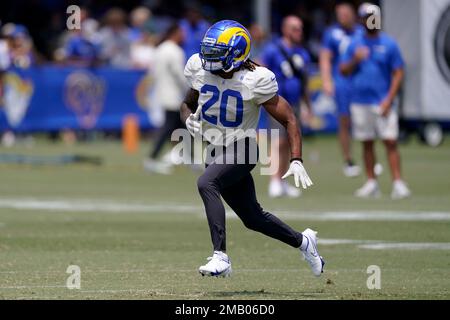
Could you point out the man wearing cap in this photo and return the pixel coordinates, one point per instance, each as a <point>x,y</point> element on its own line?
<point>375,64</point>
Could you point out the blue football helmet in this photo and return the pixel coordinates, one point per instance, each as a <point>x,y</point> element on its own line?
<point>225,46</point>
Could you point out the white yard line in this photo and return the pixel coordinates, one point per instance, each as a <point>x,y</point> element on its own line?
<point>333,242</point>
<point>151,291</point>
<point>358,215</point>
<point>83,205</point>
<point>32,287</point>
<point>104,206</point>
<point>407,246</point>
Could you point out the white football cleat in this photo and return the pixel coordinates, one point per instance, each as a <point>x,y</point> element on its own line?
<point>351,171</point>
<point>219,265</point>
<point>291,191</point>
<point>400,190</point>
<point>369,190</point>
<point>310,252</point>
<point>276,189</point>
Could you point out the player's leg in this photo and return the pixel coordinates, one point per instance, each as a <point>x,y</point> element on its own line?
<point>172,123</point>
<point>210,184</point>
<point>399,188</point>
<point>241,197</point>
<point>152,164</point>
<point>393,157</point>
<point>364,130</point>
<point>342,100</point>
<point>369,158</point>
<point>344,137</point>
<point>388,130</point>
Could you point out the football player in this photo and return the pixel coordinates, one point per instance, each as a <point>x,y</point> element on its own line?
<point>227,89</point>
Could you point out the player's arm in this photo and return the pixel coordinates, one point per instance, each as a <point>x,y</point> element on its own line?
<point>189,112</point>
<point>349,65</point>
<point>306,95</point>
<point>189,105</point>
<point>325,58</point>
<point>280,109</point>
<point>397,78</point>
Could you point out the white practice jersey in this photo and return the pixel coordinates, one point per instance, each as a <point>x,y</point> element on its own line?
<point>230,106</point>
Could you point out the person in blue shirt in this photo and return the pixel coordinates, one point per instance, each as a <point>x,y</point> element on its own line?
<point>80,51</point>
<point>194,27</point>
<point>334,43</point>
<point>289,61</point>
<point>375,64</point>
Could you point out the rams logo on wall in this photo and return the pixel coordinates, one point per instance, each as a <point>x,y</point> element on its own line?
<point>142,92</point>
<point>84,94</point>
<point>147,100</point>
<point>18,92</point>
<point>442,44</point>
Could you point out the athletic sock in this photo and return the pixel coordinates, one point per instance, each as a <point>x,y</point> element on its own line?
<point>304,243</point>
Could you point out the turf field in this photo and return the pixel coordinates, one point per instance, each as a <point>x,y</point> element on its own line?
<point>141,236</point>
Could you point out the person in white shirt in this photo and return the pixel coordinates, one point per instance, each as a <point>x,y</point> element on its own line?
<point>170,88</point>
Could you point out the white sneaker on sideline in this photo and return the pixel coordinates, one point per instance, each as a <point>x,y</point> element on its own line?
<point>155,166</point>
<point>400,190</point>
<point>219,265</point>
<point>276,189</point>
<point>291,191</point>
<point>369,190</point>
<point>351,171</point>
<point>310,252</point>
<point>172,158</point>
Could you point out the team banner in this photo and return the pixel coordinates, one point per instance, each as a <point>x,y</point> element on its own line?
<point>57,98</point>
<point>54,98</point>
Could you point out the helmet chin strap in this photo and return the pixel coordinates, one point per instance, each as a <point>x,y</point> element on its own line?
<point>229,69</point>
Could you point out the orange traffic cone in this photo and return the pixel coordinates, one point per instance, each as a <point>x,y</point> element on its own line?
<point>130,133</point>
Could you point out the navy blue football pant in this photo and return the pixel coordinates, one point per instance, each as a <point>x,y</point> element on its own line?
<point>234,183</point>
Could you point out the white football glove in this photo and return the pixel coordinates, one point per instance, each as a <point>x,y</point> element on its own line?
<point>193,124</point>
<point>297,170</point>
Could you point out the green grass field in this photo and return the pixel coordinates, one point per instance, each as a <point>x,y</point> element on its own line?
<point>141,236</point>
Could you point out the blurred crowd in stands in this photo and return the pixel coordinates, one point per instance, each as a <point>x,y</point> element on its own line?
<point>126,35</point>
<point>119,39</point>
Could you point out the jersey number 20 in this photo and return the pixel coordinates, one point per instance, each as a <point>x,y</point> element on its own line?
<point>224,98</point>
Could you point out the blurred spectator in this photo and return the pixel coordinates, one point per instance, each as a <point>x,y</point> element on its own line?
<point>115,39</point>
<point>81,47</point>
<point>335,42</point>
<point>170,88</point>
<point>139,20</point>
<point>4,54</point>
<point>142,52</point>
<point>20,45</point>
<point>4,63</point>
<point>194,27</point>
<point>142,37</point>
<point>376,65</point>
<point>289,60</point>
<point>258,40</point>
